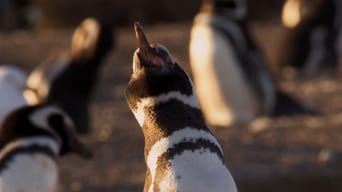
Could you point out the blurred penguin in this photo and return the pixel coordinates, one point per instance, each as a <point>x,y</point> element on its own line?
<point>314,27</point>
<point>233,83</point>
<point>12,84</point>
<point>69,79</point>
<point>32,140</point>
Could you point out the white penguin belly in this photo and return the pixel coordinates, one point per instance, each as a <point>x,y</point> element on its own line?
<point>10,99</point>
<point>197,171</point>
<point>223,92</point>
<point>29,173</point>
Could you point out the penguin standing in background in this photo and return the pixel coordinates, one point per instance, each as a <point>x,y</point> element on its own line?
<point>32,138</point>
<point>180,152</point>
<point>231,77</point>
<point>313,44</point>
<point>69,80</point>
<point>12,84</point>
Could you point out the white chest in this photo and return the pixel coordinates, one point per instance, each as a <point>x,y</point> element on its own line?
<point>29,173</point>
<point>197,171</point>
<point>196,168</point>
<point>223,91</point>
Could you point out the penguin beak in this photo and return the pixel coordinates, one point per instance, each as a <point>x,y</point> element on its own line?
<point>146,54</point>
<point>142,42</point>
<point>85,38</point>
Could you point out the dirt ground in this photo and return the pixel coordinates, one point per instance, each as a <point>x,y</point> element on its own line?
<point>285,154</point>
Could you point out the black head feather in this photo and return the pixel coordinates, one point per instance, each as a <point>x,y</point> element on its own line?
<point>155,72</point>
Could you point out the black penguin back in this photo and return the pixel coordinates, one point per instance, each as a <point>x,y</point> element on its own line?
<point>72,88</point>
<point>318,30</point>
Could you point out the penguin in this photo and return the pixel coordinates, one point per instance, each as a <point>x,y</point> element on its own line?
<point>314,36</point>
<point>32,139</point>
<point>12,84</point>
<point>69,80</point>
<point>231,77</point>
<point>181,153</point>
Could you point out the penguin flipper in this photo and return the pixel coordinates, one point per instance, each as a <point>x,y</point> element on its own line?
<point>288,106</point>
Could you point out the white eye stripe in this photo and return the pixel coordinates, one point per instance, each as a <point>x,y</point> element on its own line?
<point>40,118</point>
<point>163,98</point>
<point>188,100</point>
<point>191,100</point>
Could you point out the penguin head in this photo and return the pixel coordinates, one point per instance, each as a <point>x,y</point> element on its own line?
<point>43,120</point>
<point>91,39</point>
<point>235,9</point>
<point>295,12</point>
<point>13,76</point>
<point>155,72</point>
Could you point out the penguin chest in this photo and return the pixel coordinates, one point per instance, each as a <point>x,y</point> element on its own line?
<point>188,160</point>
<point>194,171</point>
<point>29,173</point>
<point>223,91</point>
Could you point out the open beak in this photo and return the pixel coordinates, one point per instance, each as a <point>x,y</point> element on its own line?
<point>146,54</point>
<point>142,42</point>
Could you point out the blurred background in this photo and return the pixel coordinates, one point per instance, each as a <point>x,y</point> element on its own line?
<point>64,13</point>
<point>284,154</point>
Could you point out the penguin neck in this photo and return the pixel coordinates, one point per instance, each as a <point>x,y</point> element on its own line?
<point>36,144</point>
<point>91,61</point>
<point>171,128</point>
<point>95,54</point>
<point>161,116</point>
